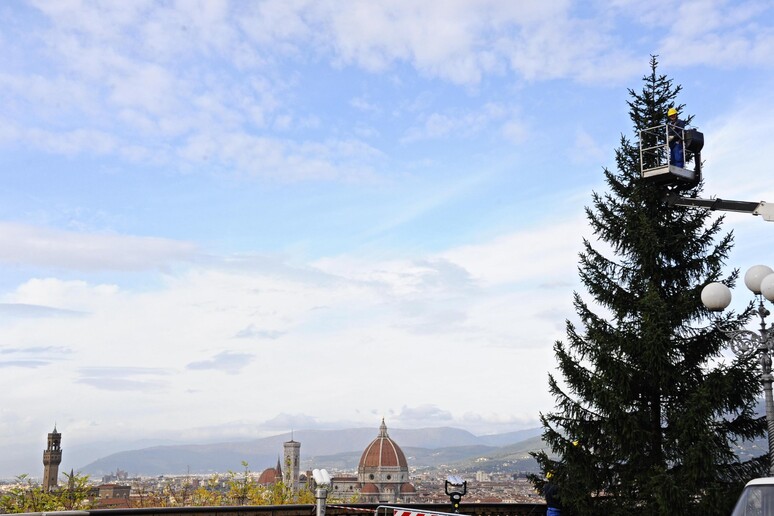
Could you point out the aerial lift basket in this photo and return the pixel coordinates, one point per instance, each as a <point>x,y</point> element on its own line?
<point>655,164</point>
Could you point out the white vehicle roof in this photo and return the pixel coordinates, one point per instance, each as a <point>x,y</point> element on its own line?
<point>765,481</point>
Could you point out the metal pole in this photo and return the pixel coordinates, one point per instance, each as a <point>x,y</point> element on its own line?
<point>766,377</point>
<point>769,411</point>
<point>321,494</point>
<point>746,341</point>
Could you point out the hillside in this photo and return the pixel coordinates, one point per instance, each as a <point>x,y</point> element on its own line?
<point>334,449</point>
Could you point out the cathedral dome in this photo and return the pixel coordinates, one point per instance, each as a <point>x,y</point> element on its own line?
<point>370,489</point>
<point>407,488</point>
<point>269,476</point>
<point>383,452</point>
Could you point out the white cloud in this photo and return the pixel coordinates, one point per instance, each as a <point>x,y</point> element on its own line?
<point>132,379</point>
<point>282,24</point>
<point>737,149</point>
<point>284,421</point>
<point>736,154</point>
<point>462,41</point>
<point>174,339</point>
<point>464,125</point>
<point>283,160</point>
<point>33,310</point>
<point>719,33</point>
<point>536,255</point>
<point>226,361</point>
<point>44,247</point>
<point>422,415</point>
<point>364,104</point>
<point>75,295</point>
<point>69,142</point>
<point>515,131</point>
<point>202,84</point>
<point>562,47</point>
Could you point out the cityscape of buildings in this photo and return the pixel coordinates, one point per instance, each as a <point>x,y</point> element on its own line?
<point>383,475</point>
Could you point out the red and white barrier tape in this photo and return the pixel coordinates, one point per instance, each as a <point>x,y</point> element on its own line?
<point>351,508</point>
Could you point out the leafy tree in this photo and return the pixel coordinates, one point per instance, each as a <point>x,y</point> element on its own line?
<point>237,488</point>
<point>277,494</point>
<point>27,496</point>
<point>340,498</point>
<point>146,498</point>
<point>243,490</point>
<point>174,494</point>
<point>648,414</point>
<point>76,496</point>
<point>208,494</point>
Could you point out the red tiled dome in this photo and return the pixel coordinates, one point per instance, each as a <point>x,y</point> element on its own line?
<point>269,476</point>
<point>370,489</point>
<point>382,452</point>
<point>407,488</point>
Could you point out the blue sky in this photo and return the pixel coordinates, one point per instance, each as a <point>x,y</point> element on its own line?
<point>221,220</point>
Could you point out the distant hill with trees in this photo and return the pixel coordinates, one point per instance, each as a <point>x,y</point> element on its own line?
<point>334,449</point>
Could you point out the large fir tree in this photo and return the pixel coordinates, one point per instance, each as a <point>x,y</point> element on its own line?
<point>648,412</point>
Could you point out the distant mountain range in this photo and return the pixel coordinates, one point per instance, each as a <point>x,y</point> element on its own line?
<point>340,450</point>
<point>334,449</point>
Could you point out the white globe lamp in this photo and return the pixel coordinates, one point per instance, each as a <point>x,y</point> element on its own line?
<point>767,287</point>
<point>716,296</point>
<point>754,276</point>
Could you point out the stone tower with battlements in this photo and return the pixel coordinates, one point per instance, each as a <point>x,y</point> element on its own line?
<point>52,457</point>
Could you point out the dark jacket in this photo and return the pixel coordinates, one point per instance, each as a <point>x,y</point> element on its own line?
<point>675,130</point>
<point>551,494</point>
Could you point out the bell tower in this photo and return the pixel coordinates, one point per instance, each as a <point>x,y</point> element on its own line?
<point>52,457</point>
<point>290,472</point>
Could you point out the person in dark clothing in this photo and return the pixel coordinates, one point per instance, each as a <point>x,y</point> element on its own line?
<point>551,494</point>
<point>675,128</point>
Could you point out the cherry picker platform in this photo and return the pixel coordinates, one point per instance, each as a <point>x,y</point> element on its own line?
<point>656,167</point>
<point>656,155</point>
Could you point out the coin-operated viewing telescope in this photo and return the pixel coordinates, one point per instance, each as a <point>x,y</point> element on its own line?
<point>322,482</point>
<point>456,488</point>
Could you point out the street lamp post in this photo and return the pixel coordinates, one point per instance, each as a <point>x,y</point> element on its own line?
<point>716,296</point>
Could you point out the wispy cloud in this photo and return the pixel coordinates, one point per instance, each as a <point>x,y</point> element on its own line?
<point>25,310</point>
<point>27,364</point>
<point>286,422</point>
<point>141,379</point>
<point>423,415</point>
<point>461,125</point>
<point>32,357</point>
<point>719,33</point>
<point>251,332</point>
<point>226,361</point>
<point>143,91</point>
<point>45,247</point>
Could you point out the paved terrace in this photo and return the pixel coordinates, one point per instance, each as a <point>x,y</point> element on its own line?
<point>364,509</point>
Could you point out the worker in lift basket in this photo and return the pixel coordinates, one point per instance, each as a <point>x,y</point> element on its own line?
<point>675,128</point>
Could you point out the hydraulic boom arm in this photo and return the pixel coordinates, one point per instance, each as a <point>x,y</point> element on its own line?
<point>762,208</point>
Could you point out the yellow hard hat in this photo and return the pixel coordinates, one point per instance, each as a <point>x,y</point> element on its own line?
<point>549,475</point>
<point>672,111</point>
